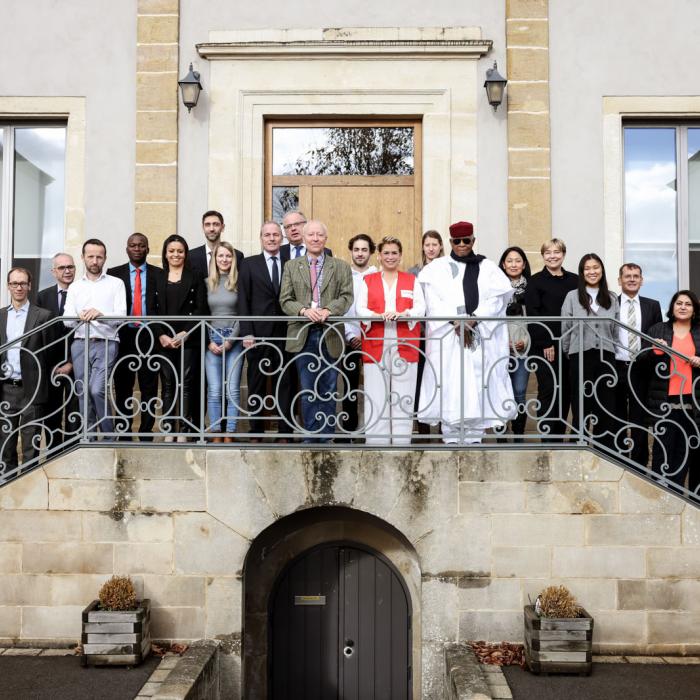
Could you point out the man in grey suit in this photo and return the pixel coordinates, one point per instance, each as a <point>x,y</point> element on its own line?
<point>23,371</point>
<point>316,286</point>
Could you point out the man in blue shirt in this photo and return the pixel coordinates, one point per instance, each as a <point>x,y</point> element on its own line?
<point>145,294</point>
<point>23,372</point>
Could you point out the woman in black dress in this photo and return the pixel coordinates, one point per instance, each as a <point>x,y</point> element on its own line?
<point>185,295</point>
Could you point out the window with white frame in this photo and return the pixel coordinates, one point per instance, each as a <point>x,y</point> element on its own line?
<point>32,197</point>
<point>662,205</point>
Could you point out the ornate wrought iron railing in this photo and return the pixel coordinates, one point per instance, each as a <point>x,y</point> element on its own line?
<point>255,393</point>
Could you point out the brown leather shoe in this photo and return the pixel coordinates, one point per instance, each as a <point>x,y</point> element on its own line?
<point>228,439</point>
<point>216,439</point>
<point>254,439</point>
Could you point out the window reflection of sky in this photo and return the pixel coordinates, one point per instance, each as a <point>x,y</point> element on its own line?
<point>650,208</point>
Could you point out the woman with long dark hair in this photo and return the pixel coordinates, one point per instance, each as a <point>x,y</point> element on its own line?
<point>591,350</point>
<point>674,392</point>
<point>515,264</point>
<point>185,295</point>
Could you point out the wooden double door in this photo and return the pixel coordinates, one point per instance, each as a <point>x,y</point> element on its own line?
<point>340,628</point>
<point>356,177</point>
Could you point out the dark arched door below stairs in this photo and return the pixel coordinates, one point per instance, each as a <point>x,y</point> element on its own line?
<point>340,623</point>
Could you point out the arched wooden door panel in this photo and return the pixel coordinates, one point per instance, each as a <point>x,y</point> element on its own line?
<point>340,628</point>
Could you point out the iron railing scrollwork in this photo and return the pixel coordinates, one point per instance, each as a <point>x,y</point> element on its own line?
<point>49,411</point>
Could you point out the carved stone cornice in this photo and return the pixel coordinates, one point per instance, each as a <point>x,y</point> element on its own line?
<point>357,49</point>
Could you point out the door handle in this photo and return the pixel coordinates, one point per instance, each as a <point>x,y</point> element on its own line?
<point>348,650</point>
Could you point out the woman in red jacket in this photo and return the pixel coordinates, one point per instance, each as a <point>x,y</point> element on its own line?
<point>390,347</point>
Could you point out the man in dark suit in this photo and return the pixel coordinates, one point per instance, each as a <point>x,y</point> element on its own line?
<point>61,421</point>
<point>200,257</point>
<point>258,295</point>
<point>144,285</point>
<point>293,223</point>
<point>640,313</point>
<point>23,371</point>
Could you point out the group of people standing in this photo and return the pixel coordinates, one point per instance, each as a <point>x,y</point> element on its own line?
<point>429,344</point>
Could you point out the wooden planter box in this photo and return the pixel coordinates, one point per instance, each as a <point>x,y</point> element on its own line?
<point>557,644</point>
<point>116,638</point>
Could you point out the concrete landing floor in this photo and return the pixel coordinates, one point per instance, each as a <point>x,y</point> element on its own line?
<point>653,679</point>
<point>51,674</point>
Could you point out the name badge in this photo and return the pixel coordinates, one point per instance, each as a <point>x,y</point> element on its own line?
<point>407,294</point>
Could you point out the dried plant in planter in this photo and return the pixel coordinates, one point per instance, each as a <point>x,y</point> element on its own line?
<point>558,601</point>
<point>118,594</point>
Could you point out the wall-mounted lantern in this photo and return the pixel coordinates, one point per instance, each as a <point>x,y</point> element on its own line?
<point>190,87</point>
<point>495,85</point>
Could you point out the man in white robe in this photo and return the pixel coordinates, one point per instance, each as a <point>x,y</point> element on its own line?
<point>466,386</point>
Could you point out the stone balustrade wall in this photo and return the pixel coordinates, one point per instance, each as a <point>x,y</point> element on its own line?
<point>490,529</point>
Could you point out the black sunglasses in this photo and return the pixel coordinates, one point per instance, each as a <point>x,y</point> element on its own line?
<point>462,241</point>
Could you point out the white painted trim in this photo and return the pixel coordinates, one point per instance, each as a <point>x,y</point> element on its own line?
<point>615,109</point>
<point>443,93</point>
<point>71,109</point>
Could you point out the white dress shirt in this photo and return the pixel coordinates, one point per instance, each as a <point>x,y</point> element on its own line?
<point>106,294</point>
<point>621,351</point>
<point>352,330</point>
<point>16,321</point>
<point>268,261</point>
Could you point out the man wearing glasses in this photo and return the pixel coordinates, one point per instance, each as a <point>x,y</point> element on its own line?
<point>465,383</point>
<point>293,225</point>
<point>23,371</point>
<point>63,406</point>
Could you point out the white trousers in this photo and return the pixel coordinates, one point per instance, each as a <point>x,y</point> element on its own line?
<point>450,435</point>
<point>390,389</point>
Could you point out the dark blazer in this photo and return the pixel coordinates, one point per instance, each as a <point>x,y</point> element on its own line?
<point>257,297</point>
<point>59,352</point>
<point>48,299</point>
<point>658,387</point>
<point>34,369</point>
<point>651,312</point>
<point>191,301</point>
<point>197,258</point>
<point>155,287</point>
<point>285,251</point>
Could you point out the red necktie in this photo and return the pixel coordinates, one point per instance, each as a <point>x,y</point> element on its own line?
<point>136,309</point>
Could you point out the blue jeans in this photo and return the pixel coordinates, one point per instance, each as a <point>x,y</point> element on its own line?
<point>519,377</point>
<point>318,382</point>
<point>217,375</point>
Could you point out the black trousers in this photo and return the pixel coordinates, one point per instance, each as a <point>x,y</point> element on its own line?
<point>270,386</point>
<point>18,418</point>
<point>554,401</point>
<point>672,456</point>
<point>62,410</point>
<point>630,399</point>
<point>130,356</point>
<point>177,380</point>
<point>598,391</point>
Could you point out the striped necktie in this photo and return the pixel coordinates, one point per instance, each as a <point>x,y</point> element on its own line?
<point>632,338</point>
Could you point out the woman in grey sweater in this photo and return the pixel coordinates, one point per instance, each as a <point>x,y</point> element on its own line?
<point>223,360</point>
<point>591,348</point>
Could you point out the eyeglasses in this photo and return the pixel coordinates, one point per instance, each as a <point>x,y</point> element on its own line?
<point>295,223</point>
<point>15,285</point>
<point>64,268</point>
<point>462,241</point>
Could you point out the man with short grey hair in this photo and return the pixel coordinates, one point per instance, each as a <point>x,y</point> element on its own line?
<point>316,287</point>
<point>60,423</point>
<point>293,224</point>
